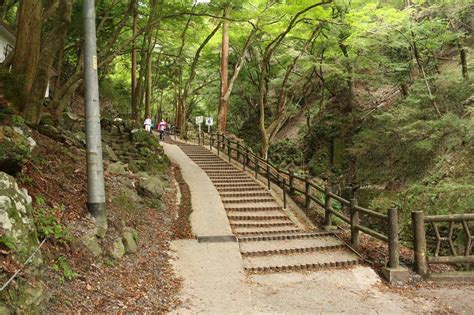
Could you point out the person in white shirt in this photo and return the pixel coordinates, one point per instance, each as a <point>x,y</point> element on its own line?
<point>147,124</point>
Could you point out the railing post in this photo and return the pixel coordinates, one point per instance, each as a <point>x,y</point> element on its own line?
<point>393,242</point>
<point>244,159</point>
<point>268,177</point>
<point>307,187</point>
<point>354,223</point>
<point>284,193</point>
<point>327,206</point>
<point>238,151</point>
<point>290,182</point>
<point>256,167</point>
<point>229,150</point>
<point>211,141</point>
<point>419,242</point>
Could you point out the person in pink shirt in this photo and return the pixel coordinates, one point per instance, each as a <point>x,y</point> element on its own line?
<point>162,128</point>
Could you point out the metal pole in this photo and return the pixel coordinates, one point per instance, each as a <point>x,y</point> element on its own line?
<point>95,168</point>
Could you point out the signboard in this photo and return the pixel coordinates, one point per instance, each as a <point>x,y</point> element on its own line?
<point>209,121</point>
<point>199,120</point>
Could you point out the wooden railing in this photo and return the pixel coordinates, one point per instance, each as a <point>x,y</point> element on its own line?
<point>422,253</point>
<point>292,184</point>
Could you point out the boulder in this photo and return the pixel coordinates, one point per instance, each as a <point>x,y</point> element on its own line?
<point>16,221</point>
<point>15,149</point>
<point>117,168</point>
<point>130,237</point>
<point>117,250</point>
<point>91,242</point>
<point>110,153</point>
<point>151,187</point>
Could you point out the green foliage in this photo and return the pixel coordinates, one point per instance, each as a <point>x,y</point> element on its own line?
<point>64,269</point>
<point>8,242</point>
<point>47,221</point>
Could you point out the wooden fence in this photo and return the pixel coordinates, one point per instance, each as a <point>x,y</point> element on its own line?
<point>291,183</point>
<point>422,252</point>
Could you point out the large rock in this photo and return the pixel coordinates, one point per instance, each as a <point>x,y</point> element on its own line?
<point>117,250</point>
<point>117,168</point>
<point>91,242</point>
<point>110,153</point>
<point>16,221</point>
<point>130,238</point>
<point>151,187</point>
<point>15,149</point>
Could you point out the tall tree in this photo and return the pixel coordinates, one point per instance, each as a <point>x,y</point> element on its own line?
<point>222,111</point>
<point>28,44</point>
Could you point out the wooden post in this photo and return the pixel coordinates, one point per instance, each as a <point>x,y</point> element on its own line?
<point>354,223</point>
<point>327,206</point>
<point>211,142</point>
<point>307,200</point>
<point>229,149</point>
<point>284,193</point>
<point>238,151</point>
<point>393,242</point>
<point>419,242</point>
<point>256,167</point>
<point>244,159</point>
<point>218,144</point>
<point>268,176</point>
<point>290,182</point>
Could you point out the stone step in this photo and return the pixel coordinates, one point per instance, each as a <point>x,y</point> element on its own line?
<point>247,180</point>
<point>253,184</point>
<point>283,236</point>
<point>262,224</point>
<point>233,188</point>
<point>251,217</point>
<point>246,200</point>
<point>271,214</point>
<point>274,245</point>
<point>296,250</point>
<point>252,204</point>
<point>261,193</point>
<point>254,208</point>
<point>240,176</point>
<point>261,231</point>
<point>218,168</point>
<point>305,260</point>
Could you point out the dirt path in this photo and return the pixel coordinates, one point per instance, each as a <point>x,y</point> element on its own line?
<point>214,280</point>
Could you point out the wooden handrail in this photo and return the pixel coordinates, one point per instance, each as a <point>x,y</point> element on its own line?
<point>285,179</point>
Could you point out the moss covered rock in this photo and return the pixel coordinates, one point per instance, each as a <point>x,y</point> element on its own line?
<point>15,149</point>
<point>16,221</point>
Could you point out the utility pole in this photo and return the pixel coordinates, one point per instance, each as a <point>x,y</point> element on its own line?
<point>95,168</point>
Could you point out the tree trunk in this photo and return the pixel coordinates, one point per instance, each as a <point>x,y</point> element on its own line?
<point>53,42</point>
<point>148,81</point>
<point>261,106</point>
<point>134,64</point>
<point>223,103</point>
<point>28,45</point>
<point>463,57</point>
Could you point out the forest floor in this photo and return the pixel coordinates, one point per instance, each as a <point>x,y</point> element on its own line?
<point>141,282</point>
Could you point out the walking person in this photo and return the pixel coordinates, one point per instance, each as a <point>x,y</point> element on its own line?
<point>147,124</point>
<point>162,128</point>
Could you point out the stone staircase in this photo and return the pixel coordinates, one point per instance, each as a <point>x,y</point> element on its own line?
<point>269,239</point>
